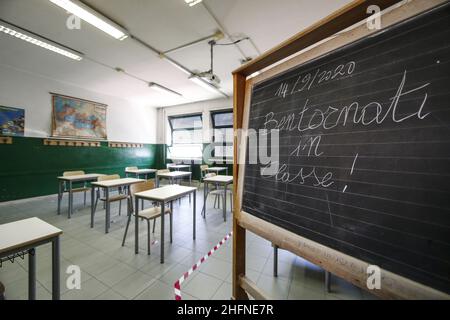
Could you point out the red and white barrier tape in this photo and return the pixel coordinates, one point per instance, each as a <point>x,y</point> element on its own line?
<point>177,284</point>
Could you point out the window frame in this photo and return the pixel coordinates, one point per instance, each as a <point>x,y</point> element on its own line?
<point>172,130</point>
<point>224,143</point>
<point>169,118</point>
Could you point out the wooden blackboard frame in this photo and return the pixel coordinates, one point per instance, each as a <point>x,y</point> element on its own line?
<point>349,268</point>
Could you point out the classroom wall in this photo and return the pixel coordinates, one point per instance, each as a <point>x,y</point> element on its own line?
<point>204,107</point>
<point>29,169</point>
<point>126,121</point>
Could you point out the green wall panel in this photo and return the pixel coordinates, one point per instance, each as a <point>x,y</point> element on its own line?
<point>29,169</point>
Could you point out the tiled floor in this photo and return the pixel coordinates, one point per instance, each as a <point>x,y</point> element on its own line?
<point>110,271</point>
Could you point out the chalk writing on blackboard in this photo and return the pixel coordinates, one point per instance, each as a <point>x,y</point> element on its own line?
<point>364,149</point>
<point>372,113</point>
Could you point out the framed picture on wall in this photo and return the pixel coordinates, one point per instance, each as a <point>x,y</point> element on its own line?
<point>12,121</point>
<point>78,118</point>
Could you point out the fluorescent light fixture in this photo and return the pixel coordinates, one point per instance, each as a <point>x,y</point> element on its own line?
<point>203,83</point>
<point>93,17</point>
<point>33,38</point>
<point>162,89</point>
<point>176,65</point>
<point>192,2</point>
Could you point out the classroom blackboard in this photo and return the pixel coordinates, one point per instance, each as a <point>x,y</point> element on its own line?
<point>364,144</point>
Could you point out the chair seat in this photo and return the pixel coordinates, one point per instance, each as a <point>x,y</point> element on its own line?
<point>114,198</point>
<point>220,191</point>
<point>80,189</point>
<point>152,213</point>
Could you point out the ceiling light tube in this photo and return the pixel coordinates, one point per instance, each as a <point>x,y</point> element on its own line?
<point>92,17</point>
<point>176,65</point>
<point>192,2</point>
<point>37,40</point>
<point>162,89</point>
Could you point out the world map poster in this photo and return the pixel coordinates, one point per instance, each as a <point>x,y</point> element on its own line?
<point>77,118</point>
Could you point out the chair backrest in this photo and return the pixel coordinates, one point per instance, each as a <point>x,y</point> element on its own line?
<point>210,175</point>
<point>110,177</point>
<point>142,186</point>
<point>162,171</point>
<point>131,168</point>
<point>72,173</point>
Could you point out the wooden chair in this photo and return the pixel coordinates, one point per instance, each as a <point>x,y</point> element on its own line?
<point>84,188</point>
<point>161,171</point>
<point>210,175</point>
<point>219,193</point>
<point>118,197</point>
<point>146,214</point>
<point>203,172</point>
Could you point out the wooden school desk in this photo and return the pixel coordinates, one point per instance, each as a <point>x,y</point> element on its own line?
<point>217,180</point>
<point>24,236</point>
<point>139,172</point>
<point>217,170</point>
<point>179,167</point>
<point>174,176</point>
<point>70,180</point>
<point>162,195</point>
<point>107,185</point>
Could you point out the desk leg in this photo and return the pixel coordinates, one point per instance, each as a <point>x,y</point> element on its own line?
<point>142,200</point>
<point>328,281</point>
<point>32,274</point>
<point>194,212</point>
<point>70,200</point>
<point>60,194</point>
<point>108,211</point>
<point>56,292</point>
<point>205,196</point>
<point>92,205</point>
<point>162,230</point>
<point>190,185</point>
<point>171,219</point>
<point>225,203</point>
<point>136,226</point>
<point>275,260</point>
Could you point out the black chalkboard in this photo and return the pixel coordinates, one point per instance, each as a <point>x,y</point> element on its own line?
<point>364,163</point>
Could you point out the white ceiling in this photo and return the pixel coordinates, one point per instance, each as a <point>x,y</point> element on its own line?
<point>163,24</point>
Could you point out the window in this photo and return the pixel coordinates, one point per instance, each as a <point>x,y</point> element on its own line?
<point>222,122</point>
<point>186,135</point>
